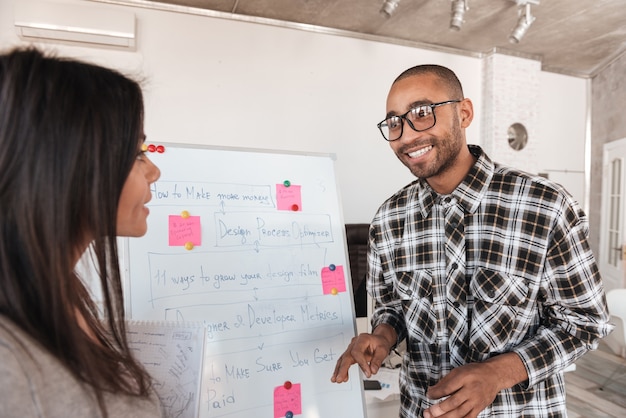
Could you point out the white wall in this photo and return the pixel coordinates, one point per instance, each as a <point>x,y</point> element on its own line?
<point>229,83</point>
<point>562,114</point>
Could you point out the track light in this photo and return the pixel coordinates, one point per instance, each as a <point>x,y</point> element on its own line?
<point>458,12</point>
<point>389,6</point>
<point>524,21</point>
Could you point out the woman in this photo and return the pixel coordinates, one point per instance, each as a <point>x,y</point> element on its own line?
<point>73,176</point>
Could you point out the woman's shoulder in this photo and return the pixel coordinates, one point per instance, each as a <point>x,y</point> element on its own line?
<point>14,339</point>
<point>35,383</point>
<point>19,371</point>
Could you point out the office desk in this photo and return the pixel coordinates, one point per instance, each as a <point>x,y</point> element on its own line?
<point>384,403</point>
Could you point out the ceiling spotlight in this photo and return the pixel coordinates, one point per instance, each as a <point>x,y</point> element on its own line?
<point>389,6</point>
<point>458,12</point>
<point>524,21</point>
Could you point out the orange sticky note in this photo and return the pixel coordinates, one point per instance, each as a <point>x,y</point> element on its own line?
<point>286,400</point>
<point>184,230</point>
<point>288,198</point>
<point>333,281</point>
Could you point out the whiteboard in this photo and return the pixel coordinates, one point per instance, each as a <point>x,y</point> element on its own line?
<point>252,244</point>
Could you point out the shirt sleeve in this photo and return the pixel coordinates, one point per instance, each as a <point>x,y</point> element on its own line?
<point>575,314</point>
<point>387,306</point>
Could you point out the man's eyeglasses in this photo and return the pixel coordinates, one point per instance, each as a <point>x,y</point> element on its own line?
<point>420,118</point>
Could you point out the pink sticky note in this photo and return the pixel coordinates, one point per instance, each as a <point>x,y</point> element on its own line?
<point>288,198</point>
<point>184,230</point>
<point>333,279</point>
<point>286,400</point>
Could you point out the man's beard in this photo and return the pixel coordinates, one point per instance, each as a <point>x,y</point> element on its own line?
<point>447,150</point>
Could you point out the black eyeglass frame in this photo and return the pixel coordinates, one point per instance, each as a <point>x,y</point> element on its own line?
<point>403,117</point>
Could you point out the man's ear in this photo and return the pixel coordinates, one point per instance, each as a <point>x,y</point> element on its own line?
<point>466,109</point>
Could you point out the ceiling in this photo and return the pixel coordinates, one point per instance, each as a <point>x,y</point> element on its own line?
<point>574,37</point>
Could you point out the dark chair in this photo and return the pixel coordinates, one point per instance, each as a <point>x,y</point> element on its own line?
<point>356,237</point>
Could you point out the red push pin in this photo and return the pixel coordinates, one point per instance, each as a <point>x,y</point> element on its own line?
<point>295,207</point>
<point>160,149</point>
<point>287,385</point>
<point>151,148</point>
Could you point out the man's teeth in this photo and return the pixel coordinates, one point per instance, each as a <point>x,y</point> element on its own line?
<point>419,152</point>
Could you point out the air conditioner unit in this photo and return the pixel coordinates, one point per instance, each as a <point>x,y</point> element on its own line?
<point>82,24</point>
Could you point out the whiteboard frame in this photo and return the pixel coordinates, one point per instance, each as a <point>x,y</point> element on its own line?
<point>124,252</point>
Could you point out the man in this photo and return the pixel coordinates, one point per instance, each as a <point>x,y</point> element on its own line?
<point>484,270</point>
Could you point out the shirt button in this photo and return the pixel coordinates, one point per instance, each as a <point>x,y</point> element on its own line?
<point>491,293</point>
<point>454,266</point>
<point>456,304</point>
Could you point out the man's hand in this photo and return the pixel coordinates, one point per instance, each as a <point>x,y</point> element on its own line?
<point>368,350</point>
<point>473,387</point>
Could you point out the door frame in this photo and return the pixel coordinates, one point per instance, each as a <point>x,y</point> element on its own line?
<point>613,276</point>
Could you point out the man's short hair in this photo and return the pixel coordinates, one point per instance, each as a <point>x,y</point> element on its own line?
<point>443,73</point>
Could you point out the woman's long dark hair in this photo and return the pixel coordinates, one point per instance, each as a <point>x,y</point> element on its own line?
<point>69,135</point>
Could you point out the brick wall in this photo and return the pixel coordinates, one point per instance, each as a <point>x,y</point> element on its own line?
<point>510,95</point>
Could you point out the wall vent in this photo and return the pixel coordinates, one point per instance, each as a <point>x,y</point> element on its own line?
<point>79,24</point>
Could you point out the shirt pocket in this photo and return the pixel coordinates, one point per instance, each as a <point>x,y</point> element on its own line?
<point>500,312</point>
<point>414,289</point>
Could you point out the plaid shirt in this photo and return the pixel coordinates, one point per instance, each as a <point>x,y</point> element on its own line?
<point>502,264</point>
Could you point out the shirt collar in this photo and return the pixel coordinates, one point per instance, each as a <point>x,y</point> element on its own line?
<point>471,190</point>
